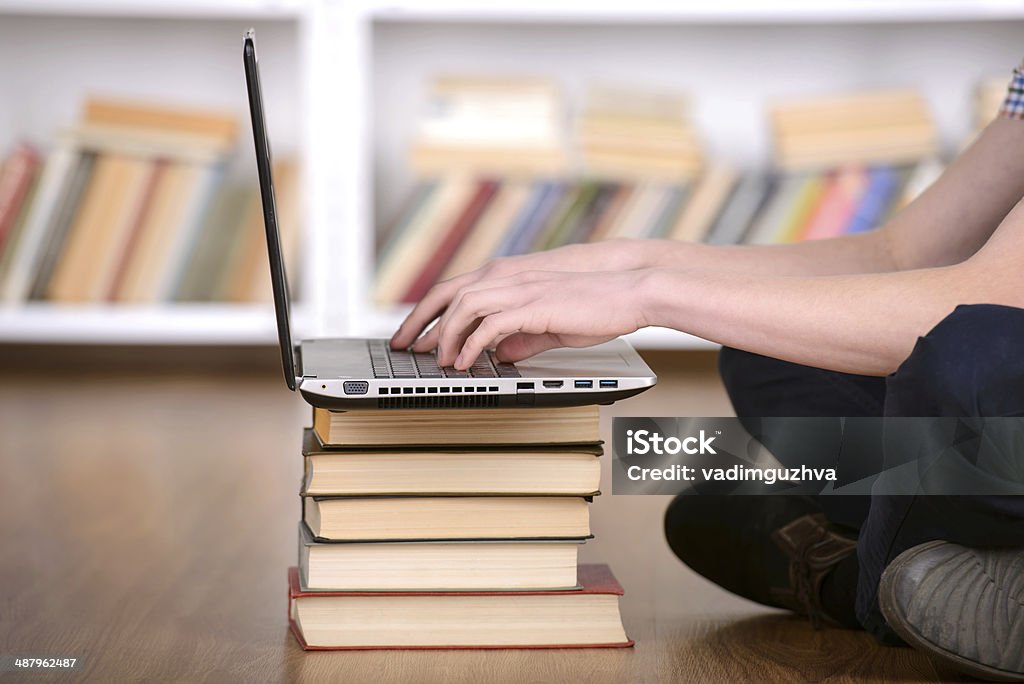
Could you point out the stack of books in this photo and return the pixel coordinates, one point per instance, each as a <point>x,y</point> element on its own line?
<point>496,124</point>
<point>892,127</point>
<point>642,134</point>
<point>131,206</point>
<point>451,528</point>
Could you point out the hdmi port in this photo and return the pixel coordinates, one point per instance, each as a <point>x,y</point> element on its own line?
<point>552,384</point>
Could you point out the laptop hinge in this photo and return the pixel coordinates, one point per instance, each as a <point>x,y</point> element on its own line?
<point>299,372</point>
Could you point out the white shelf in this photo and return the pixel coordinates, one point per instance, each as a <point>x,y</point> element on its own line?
<point>164,9</point>
<point>343,80</point>
<point>213,324</point>
<point>696,11</point>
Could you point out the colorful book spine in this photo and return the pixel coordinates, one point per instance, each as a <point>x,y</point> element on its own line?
<point>803,208</point>
<point>522,239</point>
<point>881,192</point>
<point>844,191</point>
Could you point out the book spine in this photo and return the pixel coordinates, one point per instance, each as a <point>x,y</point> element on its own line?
<point>137,222</point>
<point>15,181</point>
<point>880,193</point>
<point>59,167</point>
<point>57,232</point>
<point>456,234</point>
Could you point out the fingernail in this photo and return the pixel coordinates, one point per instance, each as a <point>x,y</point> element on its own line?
<point>458,361</point>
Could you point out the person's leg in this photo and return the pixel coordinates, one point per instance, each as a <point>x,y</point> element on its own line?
<point>970,364</point>
<point>749,544</point>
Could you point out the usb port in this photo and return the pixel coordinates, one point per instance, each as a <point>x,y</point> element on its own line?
<point>608,383</point>
<point>552,384</point>
<point>583,383</point>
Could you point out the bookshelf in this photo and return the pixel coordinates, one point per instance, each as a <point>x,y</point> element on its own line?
<point>343,82</point>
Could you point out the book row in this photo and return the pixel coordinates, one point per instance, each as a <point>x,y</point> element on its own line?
<point>134,204</point>
<point>455,224</point>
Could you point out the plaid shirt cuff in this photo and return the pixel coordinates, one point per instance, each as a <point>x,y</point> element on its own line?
<point>1013,105</point>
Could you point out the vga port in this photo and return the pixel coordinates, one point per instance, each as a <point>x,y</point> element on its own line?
<point>356,387</point>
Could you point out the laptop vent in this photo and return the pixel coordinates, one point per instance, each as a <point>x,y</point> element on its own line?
<point>434,401</point>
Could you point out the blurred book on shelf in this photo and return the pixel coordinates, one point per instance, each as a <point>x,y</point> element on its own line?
<point>842,164</point>
<point>891,127</point>
<point>132,205</point>
<point>496,178</point>
<point>495,124</point>
<point>634,133</point>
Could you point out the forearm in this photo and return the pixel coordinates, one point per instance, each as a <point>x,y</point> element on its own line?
<point>954,217</point>
<point>864,324</point>
<point>861,253</point>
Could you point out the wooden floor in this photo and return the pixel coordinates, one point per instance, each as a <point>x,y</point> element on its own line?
<point>147,520</point>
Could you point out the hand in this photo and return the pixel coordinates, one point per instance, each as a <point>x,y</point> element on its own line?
<point>530,312</point>
<point>609,255</point>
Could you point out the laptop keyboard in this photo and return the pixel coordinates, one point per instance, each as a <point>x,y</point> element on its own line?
<point>388,363</point>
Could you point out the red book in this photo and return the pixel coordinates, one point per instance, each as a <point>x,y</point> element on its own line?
<point>575,618</point>
<point>15,181</point>
<point>433,269</point>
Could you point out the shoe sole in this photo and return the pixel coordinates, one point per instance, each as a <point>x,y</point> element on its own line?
<point>909,633</point>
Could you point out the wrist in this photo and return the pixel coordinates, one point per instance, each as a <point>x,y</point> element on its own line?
<point>656,289</point>
<point>628,254</point>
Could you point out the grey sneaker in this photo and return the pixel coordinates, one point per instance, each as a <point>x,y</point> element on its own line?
<point>961,605</point>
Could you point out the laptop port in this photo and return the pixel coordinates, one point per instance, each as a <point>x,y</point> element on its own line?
<point>553,384</point>
<point>608,383</point>
<point>355,387</point>
<point>524,385</point>
<point>583,384</point>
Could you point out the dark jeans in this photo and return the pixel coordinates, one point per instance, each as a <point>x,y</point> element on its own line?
<point>970,364</point>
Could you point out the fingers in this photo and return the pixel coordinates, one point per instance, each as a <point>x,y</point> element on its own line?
<point>466,308</point>
<point>490,329</point>
<point>428,341</point>
<point>429,308</point>
<point>519,346</point>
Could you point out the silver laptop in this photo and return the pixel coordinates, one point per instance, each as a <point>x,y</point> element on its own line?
<point>351,373</point>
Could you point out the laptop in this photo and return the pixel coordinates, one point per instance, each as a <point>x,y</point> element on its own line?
<point>348,373</point>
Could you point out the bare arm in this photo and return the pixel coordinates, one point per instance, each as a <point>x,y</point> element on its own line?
<point>948,223</point>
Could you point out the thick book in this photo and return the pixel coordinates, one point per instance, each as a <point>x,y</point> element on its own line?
<point>424,427</point>
<point>417,518</point>
<point>583,618</point>
<point>574,470</point>
<point>437,565</point>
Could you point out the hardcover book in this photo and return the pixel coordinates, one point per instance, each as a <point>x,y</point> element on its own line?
<point>583,618</point>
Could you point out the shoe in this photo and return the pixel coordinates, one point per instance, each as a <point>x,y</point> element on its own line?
<point>773,550</point>
<point>963,606</point>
